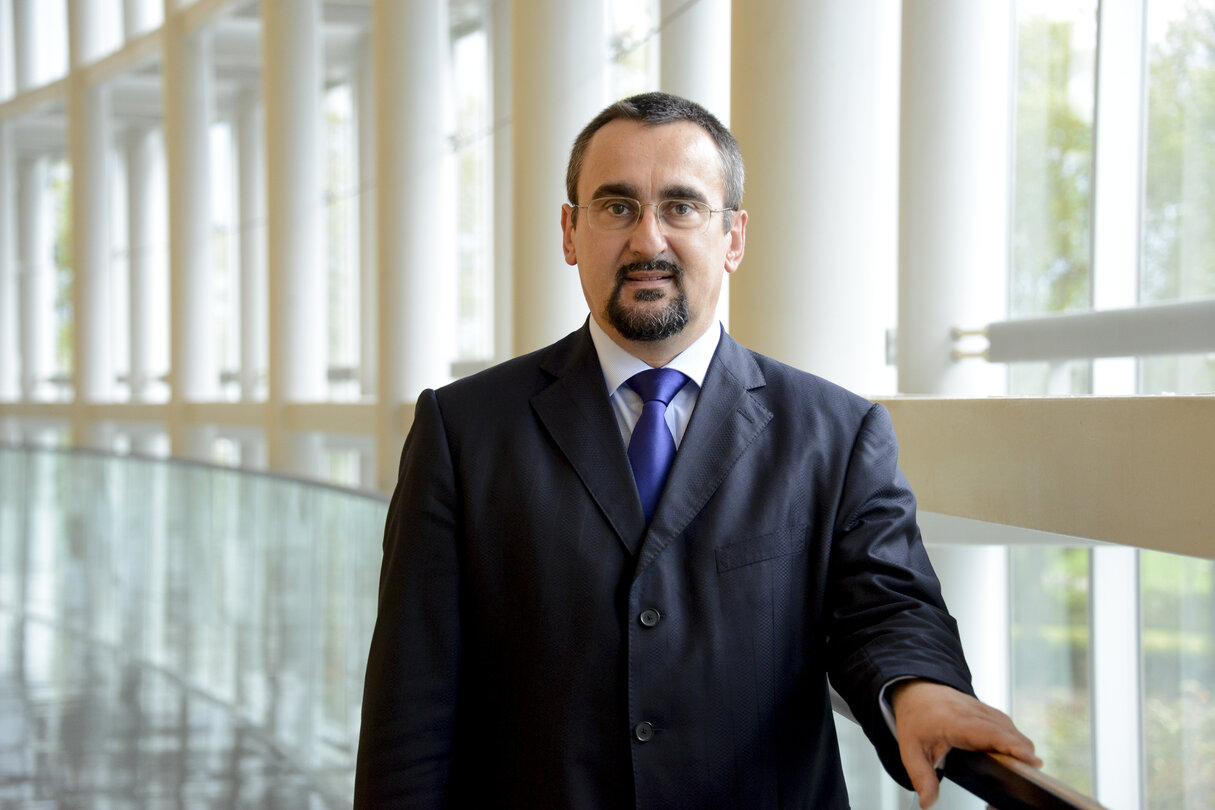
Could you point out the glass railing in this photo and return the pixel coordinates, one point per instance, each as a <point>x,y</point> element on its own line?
<point>178,630</point>
<point>175,631</point>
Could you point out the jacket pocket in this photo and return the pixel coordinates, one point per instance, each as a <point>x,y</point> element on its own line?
<point>763,547</point>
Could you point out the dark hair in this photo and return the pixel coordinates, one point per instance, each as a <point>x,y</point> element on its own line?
<point>654,109</point>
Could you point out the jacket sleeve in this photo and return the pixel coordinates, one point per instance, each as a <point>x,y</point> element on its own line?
<point>886,616</point>
<point>409,699</point>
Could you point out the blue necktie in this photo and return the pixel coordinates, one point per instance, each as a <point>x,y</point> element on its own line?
<point>652,447</point>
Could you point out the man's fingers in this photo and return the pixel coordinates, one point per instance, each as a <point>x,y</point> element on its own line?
<point>995,732</point>
<point>931,718</point>
<point>923,779</point>
<point>1023,750</point>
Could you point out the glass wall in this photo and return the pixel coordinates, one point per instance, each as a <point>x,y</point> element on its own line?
<point>1179,196</point>
<point>1050,266</point>
<point>180,633</point>
<point>1050,271</point>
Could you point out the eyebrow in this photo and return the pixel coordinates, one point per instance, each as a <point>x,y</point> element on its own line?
<point>616,190</point>
<point>683,193</point>
<point>629,190</point>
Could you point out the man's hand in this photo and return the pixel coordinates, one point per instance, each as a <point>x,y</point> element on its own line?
<point>930,718</point>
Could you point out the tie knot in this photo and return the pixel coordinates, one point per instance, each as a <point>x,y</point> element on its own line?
<point>660,384</point>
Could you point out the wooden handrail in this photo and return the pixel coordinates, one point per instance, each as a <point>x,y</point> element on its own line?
<point>1001,781</point>
<point>1009,784</point>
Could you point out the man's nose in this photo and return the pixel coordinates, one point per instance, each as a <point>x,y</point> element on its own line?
<point>648,236</point>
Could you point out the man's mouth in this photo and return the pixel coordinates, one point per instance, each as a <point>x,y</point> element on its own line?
<point>647,279</point>
<point>648,274</point>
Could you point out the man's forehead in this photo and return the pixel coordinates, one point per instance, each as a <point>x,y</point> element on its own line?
<point>623,152</point>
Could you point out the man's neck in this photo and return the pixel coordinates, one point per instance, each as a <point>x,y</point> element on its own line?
<point>657,353</point>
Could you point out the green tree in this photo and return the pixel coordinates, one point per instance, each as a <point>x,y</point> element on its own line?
<point>1052,219</point>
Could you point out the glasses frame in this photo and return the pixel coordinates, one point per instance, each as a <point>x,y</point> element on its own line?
<point>657,206</point>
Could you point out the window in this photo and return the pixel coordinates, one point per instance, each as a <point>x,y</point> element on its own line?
<point>50,41</point>
<point>151,257</point>
<point>120,277</point>
<point>1050,270</point>
<point>225,265</point>
<point>342,241</point>
<point>62,277</point>
<point>1051,263</point>
<point>633,28</point>
<point>1178,262</point>
<point>1178,617</point>
<point>1178,252</point>
<point>473,145</point>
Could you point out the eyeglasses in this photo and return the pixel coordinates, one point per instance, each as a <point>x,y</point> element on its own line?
<point>622,213</point>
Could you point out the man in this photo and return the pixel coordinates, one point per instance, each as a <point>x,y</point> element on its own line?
<point>559,628</point>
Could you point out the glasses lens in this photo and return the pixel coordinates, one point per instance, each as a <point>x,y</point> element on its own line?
<point>613,213</point>
<point>622,213</point>
<point>684,215</point>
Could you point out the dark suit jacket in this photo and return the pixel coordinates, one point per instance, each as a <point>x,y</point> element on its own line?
<point>513,657</point>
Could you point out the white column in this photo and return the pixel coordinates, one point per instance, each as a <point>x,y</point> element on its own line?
<point>8,62</point>
<point>1117,687</point>
<point>25,36</point>
<point>560,60</point>
<point>368,275</point>
<point>415,217</point>
<point>34,276</point>
<point>502,236</point>
<point>695,53</point>
<point>136,18</point>
<point>251,177</point>
<point>953,246</point>
<point>695,63</point>
<point>1118,144</point>
<point>188,99</point>
<point>139,239</point>
<point>88,150</point>
<point>10,362</point>
<point>814,105</point>
<point>365,118</point>
<point>1116,665</point>
<point>953,249</point>
<point>295,262</point>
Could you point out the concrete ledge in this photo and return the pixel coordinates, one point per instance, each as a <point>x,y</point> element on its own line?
<point>1138,471</point>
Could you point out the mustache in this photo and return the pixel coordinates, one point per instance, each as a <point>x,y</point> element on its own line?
<point>665,266</point>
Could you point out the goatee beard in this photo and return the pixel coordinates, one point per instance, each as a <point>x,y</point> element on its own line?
<point>644,323</point>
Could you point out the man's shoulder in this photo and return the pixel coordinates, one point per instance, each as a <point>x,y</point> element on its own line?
<point>783,382</point>
<point>521,376</point>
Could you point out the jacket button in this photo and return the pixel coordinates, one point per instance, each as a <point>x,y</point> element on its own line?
<point>643,731</point>
<point>650,617</point>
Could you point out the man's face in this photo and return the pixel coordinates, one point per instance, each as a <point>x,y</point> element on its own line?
<point>652,288</point>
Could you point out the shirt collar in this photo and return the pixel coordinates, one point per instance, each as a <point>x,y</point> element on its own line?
<point>618,365</point>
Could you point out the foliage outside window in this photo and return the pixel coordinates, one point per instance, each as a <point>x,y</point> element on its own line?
<point>633,26</point>
<point>1178,260</point>
<point>1051,271</point>
<point>1177,263</point>
<point>62,274</point>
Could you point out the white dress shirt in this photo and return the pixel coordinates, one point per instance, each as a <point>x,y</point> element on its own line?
<point>618,366</point>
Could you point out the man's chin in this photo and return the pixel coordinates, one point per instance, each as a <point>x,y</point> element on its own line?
<point>647,324</point>
<point>647,295</point>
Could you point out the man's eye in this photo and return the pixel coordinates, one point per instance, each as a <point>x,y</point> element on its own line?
<point>619,208</point>
<point>680,208</point>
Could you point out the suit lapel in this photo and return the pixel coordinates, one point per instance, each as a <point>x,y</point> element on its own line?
<point>575,411</point>
<point>725,423</point>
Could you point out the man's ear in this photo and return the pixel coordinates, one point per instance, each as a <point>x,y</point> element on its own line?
<point>738,241</point>
<point>567,234</point>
